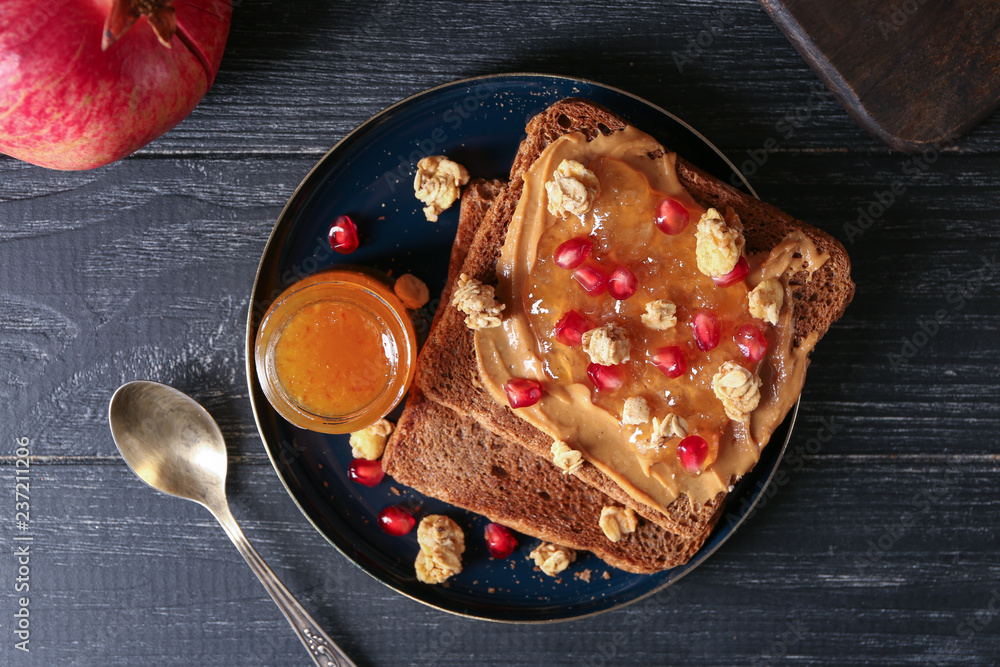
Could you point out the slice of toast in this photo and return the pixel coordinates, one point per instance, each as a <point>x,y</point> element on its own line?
<point>447,370</point>
<point>455,459</point>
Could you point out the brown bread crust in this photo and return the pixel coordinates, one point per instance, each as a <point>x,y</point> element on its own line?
<point>447,370</point>
<point>454,459</point>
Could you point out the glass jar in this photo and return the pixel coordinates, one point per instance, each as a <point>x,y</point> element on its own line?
<point>335,352</point>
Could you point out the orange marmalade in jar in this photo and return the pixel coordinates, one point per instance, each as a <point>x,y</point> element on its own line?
<point>335,352</point>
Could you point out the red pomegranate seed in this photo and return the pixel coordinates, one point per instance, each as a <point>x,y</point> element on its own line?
<point>622,284</point>
<point>739,272</point>
<point>706,330</point>
<point>500,542</point>
<point>692,452</point>
<point>571,327</point>
<point>343,235</point>
<point>605,378</point>
<point>522,393</point>
<point>396,520</point>
<point>671,361</point>
<point>366,472</point>
<point>570,254</point>
<point>591,279</point>
<point>751,342</point>
<point>671,216</point>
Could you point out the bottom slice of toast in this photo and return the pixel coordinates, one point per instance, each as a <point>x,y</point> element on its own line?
<point>454,459</point>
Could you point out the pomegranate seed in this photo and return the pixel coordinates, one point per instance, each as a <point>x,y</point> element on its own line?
<point>622,284</point>
<point>692,452</point>
<point>739,272</point>
<point>343,235</point>
<point>570,254</point>
<point>671,361</point>
<point>500,542</point>
<point>706,330</point>
<point>396,520</point>
<point>571,327</point>
<point>591,279</point>
<point>522,393</point>
<point>366,472</point>
<point>605,378</point>
<point>751,342</point>
<point>671,216</point>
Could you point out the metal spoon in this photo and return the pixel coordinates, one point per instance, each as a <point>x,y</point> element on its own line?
<point>175,446</point>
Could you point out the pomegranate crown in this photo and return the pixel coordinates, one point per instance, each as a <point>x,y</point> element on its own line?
<point>124,14</point>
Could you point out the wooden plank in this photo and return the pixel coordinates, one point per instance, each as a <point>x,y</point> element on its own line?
<point>127,575</point>
<point>298,77</point>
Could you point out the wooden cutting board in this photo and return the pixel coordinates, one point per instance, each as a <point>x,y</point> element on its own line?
<point>915,73</point>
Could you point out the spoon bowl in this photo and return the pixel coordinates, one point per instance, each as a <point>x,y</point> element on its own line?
<point>169,441</point>
<point>173,444</point>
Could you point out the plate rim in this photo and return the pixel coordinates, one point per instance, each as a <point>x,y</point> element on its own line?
<point>251,372</point>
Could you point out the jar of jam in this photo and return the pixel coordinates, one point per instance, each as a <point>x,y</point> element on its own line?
<point>335,352</point>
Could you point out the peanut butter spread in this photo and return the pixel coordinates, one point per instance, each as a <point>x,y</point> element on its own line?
<point>620,224</point>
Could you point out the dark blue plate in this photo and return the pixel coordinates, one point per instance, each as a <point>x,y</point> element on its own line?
<point>478,122</point>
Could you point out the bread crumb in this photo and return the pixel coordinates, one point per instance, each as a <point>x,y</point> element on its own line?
<point>617,522</point>
<point>438,184</point>
<point>369,443</point>
<point>671,426</point>
<point>718,245</point>
<point>395,491</point>
<point>635,411</point>
<point>605,575</point>
<point>765,300</point>
<point>442,544</point>
<point>412,291</point>
<point>572,189</point>
<point>607,345</point>
<point>552,558</point>
<point>477,301</point>
<point>583,575</point>
<point>565,457</point>
<point>491,590</point>
<point>738,389</point>
<point>660,315</point>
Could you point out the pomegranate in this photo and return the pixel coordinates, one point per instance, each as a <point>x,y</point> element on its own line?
<point>522,392</point>
<point>343,235</point>
<point>751,342</point>
<point>671,216</point>
<point>622,284</point>
<point>739,272</point>
<point>500,541</point>
<point>571,327</point>
<point>605,378</point>
<point>570,254</point>
<point>692,452</point>
<point>363,471</point>
<point>396,520</point>
<point>591,278</point>
<point>671,361</point>
<point>86,82</point>
<point>706,330</point>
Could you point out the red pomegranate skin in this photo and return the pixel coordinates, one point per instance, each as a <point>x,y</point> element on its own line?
<point>66,104</point>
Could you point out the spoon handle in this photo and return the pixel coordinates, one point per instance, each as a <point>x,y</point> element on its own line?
<point>322,649</point>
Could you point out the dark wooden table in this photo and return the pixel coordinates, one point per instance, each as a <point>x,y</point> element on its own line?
<point>881,547</point>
